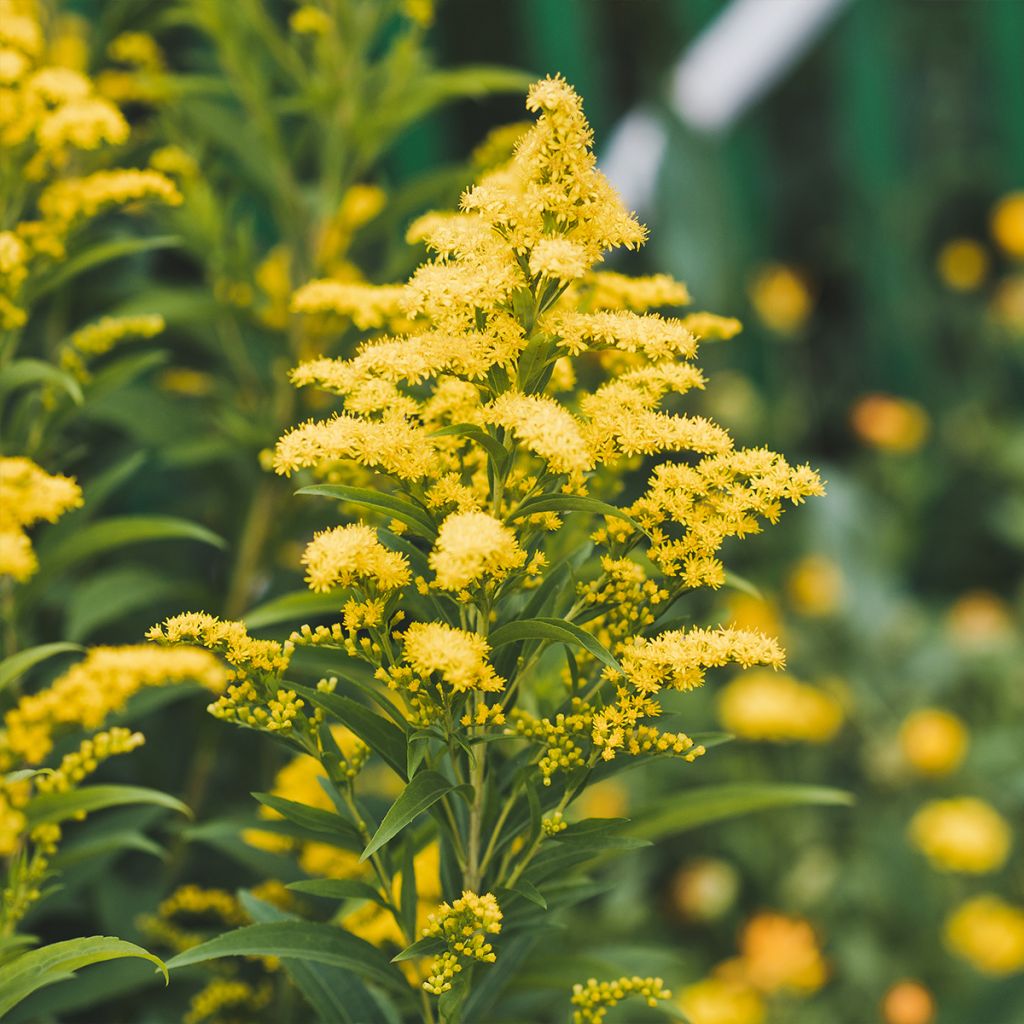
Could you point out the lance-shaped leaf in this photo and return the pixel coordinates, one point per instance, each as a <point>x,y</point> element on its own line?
<point>422,793</point>
<point>557,631</point>
<point>56,807</point>
<point>414,516</point>
<point>706,804</point>
<point>337,889</point>
<point>375,731</point>
<point>300,940</point>
<point>315,819</point>
<point>38,968</point>
<point>18,664</point>
<point>26,372</point>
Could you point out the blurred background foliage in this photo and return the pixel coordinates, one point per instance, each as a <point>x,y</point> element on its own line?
<point>864,218</point>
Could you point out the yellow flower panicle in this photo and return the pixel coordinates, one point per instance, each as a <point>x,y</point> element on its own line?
<point>457,656</point>
<point>73,199</point>
<point>962,834</point>
<point>347,556</point>
<point>97,338</point>
<point>28,494</point>
<point>229,639</point>
<point>988,933</point>
<point>775,707</point>
<point>97,686</point>
<point>594,999</point>
<point>91,753</point>
<point>463,925</point>
<point>474,547</point>
<point>722,1000</point>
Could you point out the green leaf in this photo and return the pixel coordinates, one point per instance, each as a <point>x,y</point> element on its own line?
<point>337,889</point>
<point>376,732</point>
<point>530,892</point>
<point>104,843</point>
<point>97,255</point>
<point>429,946</point>
<point>741,583</point>
<point>298,605</point>
<point>17,665</point>
<point>313,818</point>
<point>25,372</point>
<point>494,448</point>
<point>103,597</point>
<point>335,994</point>
<point>702,806</point>
<point>572,503</point>
<point>38,968</point>
<point>418,796</point>
<point>414,516</point>
<point>556,630</point>
<point>57,807</point>
<point>301,940</point>
<point>118,532</point>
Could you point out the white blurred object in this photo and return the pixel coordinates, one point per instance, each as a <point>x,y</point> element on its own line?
<point>727,68</point>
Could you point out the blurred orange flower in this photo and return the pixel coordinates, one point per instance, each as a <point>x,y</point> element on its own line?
<point>890,423</point>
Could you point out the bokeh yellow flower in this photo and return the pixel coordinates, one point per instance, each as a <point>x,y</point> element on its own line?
<point>1007,304</point>
<point>908,1002</point>
<point>704,889</point>
<point>979,620</point>
<point>933,741</point>
<point>988,933</point>
<point>1007,224</point>
<point>890,423</point>
<point>773,706</point>
<point>962,264</point>
<point>963,834</point>
<point>781,298</point>
<point>816,586</point>
<point>719,1000</point>
<point>781,953</point>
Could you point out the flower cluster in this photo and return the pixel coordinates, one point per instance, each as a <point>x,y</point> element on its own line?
<point>463,925</point>
<point>775,707</point>
<point>963,834</point>
<point>594,999</point>
<point>29,494</point>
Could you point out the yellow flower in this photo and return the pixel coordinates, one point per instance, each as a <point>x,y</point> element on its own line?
<point>989,934</point>
<point>311,21</point>
<point>29,494</point>
<point>980,620</point>
<point>933,741</point>
<point>71,199</point>
<point>763,705</point>
<point>889,423</point>
<point>473,547</point>
<point>95,687</point>
<point>781,953</point>
<point>962,834</point>
<point>704,889</point>
<point>908,1002</point>
<point>352,555</point>
<point>1007,304</point>
<point>816,586</point>
<point>962,264</point>
<point>460,658</point>
<point>721,1000</point>
<point>1007,224</point>
<point>781,298</point>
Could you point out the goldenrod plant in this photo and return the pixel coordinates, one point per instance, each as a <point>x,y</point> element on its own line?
<point>275,135</point>
<point>528,515</point>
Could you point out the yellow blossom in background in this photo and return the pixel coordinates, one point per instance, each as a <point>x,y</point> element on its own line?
<point>889,423</point>
<point>722,1000</point>
<point>781,298</point>
<point>908,1002</point>
<point>781,953</point>
<point>97,686</point>
<point>308,20</point>
<point>472,548</point>
<point>606,799</point>
<point>816,586</point>
<point>28,494</point>
<point>1007,224</point>
<point>1007,305</point>
<point>962,834</point>
<point>745,611</point>
<point>933,741</point>
<point>980,620</point>
<point>988,933</point>
<point>704,889</point>
<point>962,264</point>
<point>771,706</point>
